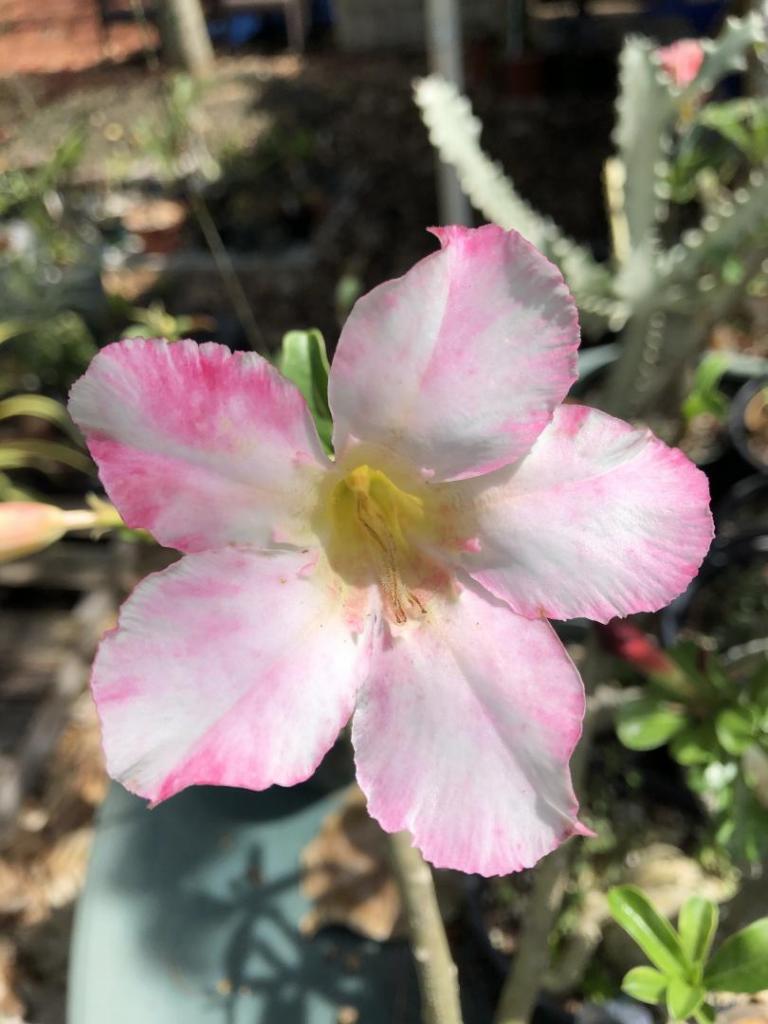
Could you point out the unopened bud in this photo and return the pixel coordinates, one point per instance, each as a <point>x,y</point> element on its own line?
<point>638,649</point>
<point>29,526</point>
<point>681,61</point>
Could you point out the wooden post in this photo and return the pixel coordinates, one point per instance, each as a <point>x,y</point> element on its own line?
<point>185,38</point>
<point>444,49</point>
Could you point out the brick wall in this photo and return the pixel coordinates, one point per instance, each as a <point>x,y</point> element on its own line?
<point>44,36</point>
<point>399,24</point>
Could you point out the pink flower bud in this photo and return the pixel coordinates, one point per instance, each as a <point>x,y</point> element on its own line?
<point>638,649</point>
<point>27,527</point>
<point>681,61</point>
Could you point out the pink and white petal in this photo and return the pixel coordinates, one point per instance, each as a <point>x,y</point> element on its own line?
<point>232,668</point>
<point>463,733</point>
<point>600,519</point>
<point>458,365</point>
<point>200,445</point>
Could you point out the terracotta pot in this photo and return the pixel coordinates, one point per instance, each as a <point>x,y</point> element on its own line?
<point>158,222</point>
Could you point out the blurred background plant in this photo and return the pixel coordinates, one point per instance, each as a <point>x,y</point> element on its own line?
<point>51,296</point>
<point>711,710</point>
<point>685,199</point>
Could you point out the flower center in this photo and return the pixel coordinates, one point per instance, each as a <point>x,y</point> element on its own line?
<point>374,524</point>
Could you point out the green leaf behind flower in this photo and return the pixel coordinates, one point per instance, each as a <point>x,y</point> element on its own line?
<point>304,361</point>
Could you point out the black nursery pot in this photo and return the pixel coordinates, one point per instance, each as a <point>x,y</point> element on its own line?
<point>729,584</point>
<point>744,509</point>
<point>748,423</point>
<point>739,553</point>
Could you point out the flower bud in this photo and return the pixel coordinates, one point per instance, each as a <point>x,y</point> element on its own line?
<point>29,526</point>
<point>681,61</point>
<point>638,649</point>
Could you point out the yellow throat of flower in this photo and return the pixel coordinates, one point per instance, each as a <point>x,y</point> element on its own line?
<point>373,527</point>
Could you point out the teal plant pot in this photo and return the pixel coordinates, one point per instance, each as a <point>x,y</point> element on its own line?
<point>191,914</point>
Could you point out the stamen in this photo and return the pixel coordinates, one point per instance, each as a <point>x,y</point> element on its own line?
<point>391,584</point>
<point>382,510</point>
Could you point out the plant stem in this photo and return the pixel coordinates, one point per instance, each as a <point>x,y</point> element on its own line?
<point>185,38</point>
<point>438,977</point>
<point>444,49</point>
<point>226,269</point>
<point>705,1014</point>
<point>524,980</point>
<point>532,957</point>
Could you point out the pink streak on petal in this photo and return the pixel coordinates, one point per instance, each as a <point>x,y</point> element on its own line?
<point>199,445</point>
<point>599,520</point>
<point>458,365</point>
<point>463,734</point>
<point>229,668</point>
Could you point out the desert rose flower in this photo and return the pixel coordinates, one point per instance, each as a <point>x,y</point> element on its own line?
<point>406,583</point>
<point>681,60</point>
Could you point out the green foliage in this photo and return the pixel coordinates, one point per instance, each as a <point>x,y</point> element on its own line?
<point>737,728</point>
<point>647,723</point>
<point>172,140</point>
<point>743,123</point>
<point>50,351</point>
<point>24,192</point>
<point>697,924</point>
<point>348,290</point>
<point>705,396</point>
<point>683,998</point>
<point>39,453</point>
<point>22,453</point>
<point>303,360</point>
<point>10,491</point>
<point>716,726</point>
<point>41,407</point>
<point>11,329</point>
<point>652,932</point>
<point>155,321</point>
<point>167,138</point>
<point>646,984</point>
<point>51,295</point>
<point>684,975</point>
<point>741,963</point>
